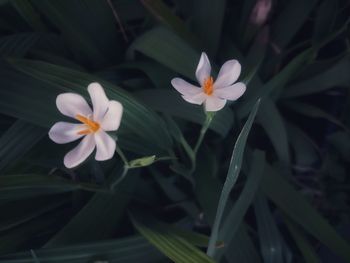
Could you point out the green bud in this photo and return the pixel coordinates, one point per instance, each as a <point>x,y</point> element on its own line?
<point>141,162</point>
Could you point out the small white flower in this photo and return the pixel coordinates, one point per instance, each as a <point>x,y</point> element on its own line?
<point>106,116</point>
<point>213,94</point>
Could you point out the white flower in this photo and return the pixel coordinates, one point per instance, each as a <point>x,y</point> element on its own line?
<point>213,94</point>
<point>106,116</point>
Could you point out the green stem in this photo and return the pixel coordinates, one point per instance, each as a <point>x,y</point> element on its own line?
<point>122,156</point>
<point>206,124</point>
<point>205,127</point>
<point>116,182</point>
<point>187,148</point>
<point>125,170</point>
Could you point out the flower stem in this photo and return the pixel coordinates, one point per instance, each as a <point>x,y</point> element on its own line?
<point>205,127</point>
<point>206,124</point>
<point>122,156</point>
<point>120,178</point>
<point>125,169</point>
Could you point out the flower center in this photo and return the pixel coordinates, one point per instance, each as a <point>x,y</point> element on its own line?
<point>208,86</point>
<point>91,126</point>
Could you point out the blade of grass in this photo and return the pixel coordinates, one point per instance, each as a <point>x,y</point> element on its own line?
<point>271,243</point>
<point>277,83</point>
<point>235,216</point>
<point>203,16</point>
<point>300,211</point>
<point>275,129</point>
<point>314,112</point>
<point>303,244</point>
<point>99,218</point>
<point>176,248</point>
<point>29,14</point>
<point>17,141</point>
<point>232,175</point>
<point>125,250</point>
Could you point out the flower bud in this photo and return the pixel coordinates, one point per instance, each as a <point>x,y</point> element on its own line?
<point>260,12</point>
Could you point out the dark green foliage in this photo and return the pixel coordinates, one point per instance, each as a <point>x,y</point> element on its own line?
<point>281,196</point>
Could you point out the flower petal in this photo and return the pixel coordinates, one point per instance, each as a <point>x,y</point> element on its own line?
<point>99,100</point>
<point>65,132</point>
<point>111,120</point>
<point>105,146</point>
<point>71,104</point>
<point>203,69</point>
<point>232,92</point>
<point>195,99</point>
<point>184,87</point>
<point>214,104</point>
<point>80,152</point>
<point>228,74</point>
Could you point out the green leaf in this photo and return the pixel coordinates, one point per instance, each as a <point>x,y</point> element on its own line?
<point>27,210</point>
<point>166,16</point>
<point>173,246</point>
<point>313,112</point>
<point>303,244</point>
<point>18,45</point>
<point>157,73</point>
<point>232,175</point>
<point>325,20</point>
<point>235,216</point>
<point>300,211</point>
<point>137,119</point>
<point>170,102</point>
<point>203,16</point>
<point>285,26</point>
<point>98,219</point>
<point>271,120</point>
<point>206,174</point>
<point>17,141</point>
<point>87,25</point>
<point>125,250</point>
<point>306,152</point>
<point>26,10</point>
<point>2,2</point>
<point>30,185</point>
<point>14,239</point>
<point>271,243</point>
<point>168,49</point>
<point>277,83</point>
<point>242,248</point>
<point>333,75</point>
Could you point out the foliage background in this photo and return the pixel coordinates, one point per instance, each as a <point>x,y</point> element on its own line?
<point>291,200</point>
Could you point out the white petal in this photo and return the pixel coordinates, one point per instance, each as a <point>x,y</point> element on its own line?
<point>99,100</point>
<point>71,104</point>
<point>184,87</point>
<point>228,74</point>
<point>111,120</point>
<point>203,69</point>
<point>81,152</point>
<point>105,146</point>
<point>65,132</point>
<point>195,99</point>
<point>232,92</point>
<point>214,104</point>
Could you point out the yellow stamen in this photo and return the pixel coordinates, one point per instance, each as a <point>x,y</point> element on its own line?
<point>208,86</point>
<point>92,126</point>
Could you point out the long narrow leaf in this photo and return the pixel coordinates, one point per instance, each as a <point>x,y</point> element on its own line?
<point>173,246</point>
<point>125,250</point>
<point>232,175</point>
<point>300,211</point>
<point>235,217</point>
